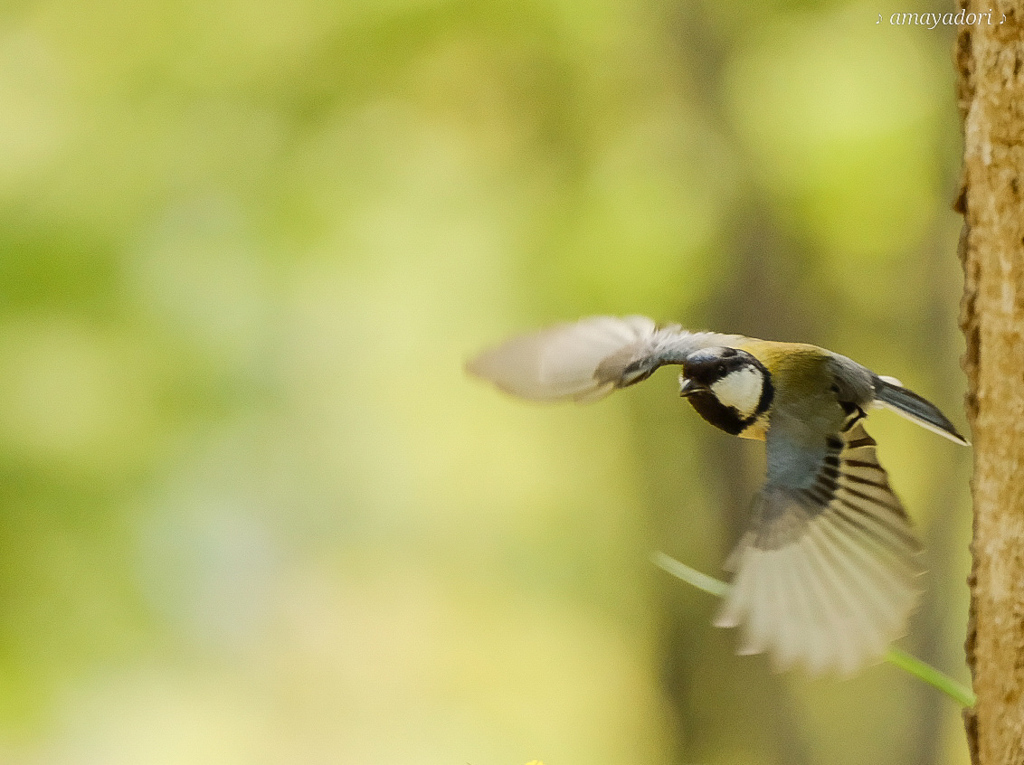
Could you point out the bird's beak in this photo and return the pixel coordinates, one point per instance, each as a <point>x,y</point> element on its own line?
<point>687,387</point>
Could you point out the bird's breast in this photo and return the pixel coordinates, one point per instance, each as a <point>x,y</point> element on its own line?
<point>757,430</point>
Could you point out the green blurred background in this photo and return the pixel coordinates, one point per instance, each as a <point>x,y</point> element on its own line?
<point>251,509</point>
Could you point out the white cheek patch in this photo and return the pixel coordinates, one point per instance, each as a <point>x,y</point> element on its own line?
<point>741,390</point>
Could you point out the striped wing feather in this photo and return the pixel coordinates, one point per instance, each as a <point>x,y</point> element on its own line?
<point>826,574</point>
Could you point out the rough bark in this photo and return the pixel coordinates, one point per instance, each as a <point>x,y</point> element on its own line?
<point>990,58</point>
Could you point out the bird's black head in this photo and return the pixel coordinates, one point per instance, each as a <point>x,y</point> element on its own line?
<point>728,387</point>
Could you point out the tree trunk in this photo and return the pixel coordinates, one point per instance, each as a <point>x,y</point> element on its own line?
<point>990,57</point>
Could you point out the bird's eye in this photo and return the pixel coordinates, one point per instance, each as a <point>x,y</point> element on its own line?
<point>727,352</point>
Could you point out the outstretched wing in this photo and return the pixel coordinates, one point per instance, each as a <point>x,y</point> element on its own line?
<point>826,573</point>
<point>588,359</point>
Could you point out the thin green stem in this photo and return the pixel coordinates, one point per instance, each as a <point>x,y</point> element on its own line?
<point>919,669</point>
<point>689,575</point>
<point>896,656</point>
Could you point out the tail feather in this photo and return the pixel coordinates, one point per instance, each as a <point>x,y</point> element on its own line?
<point>905,402</point>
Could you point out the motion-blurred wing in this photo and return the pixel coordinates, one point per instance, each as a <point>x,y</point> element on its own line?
<point>588,359</point>
<point>826,573</point>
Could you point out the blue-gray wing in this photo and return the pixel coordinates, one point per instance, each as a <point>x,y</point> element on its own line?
<point>588,359</point>
<point>826,573</point>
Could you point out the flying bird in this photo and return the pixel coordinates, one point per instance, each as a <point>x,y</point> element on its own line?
<point>825,573</point>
